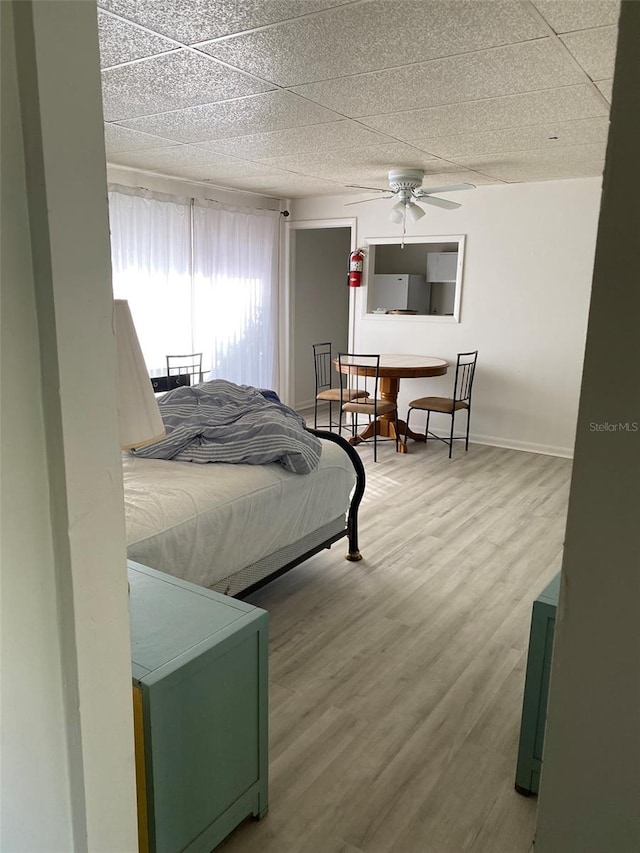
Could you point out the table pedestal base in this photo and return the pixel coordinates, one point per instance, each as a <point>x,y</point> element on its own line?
<point>386,428</point>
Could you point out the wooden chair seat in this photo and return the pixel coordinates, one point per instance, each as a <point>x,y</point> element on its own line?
<point>380,406</point>
<point>333,394</point>
<point>360,373</point>
<point>462,385</point>
<point>324,392</point>
<point>446,405</point>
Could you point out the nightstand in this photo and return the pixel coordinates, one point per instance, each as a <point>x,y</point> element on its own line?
<point>200,691</point>
<point>536,689</point>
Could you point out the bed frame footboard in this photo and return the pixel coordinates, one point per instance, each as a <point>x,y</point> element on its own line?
<point>352,518</point>
<point>350,530</point>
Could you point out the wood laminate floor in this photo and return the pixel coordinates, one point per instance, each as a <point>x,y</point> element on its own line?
<point>396,682</point>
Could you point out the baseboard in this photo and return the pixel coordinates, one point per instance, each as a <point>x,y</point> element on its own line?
<point>489,440</point>
<point>527,446</point>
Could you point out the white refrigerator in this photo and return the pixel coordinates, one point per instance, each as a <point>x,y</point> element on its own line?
<point>401,292</point>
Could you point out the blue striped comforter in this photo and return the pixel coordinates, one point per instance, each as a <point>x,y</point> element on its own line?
<point>219,421</point>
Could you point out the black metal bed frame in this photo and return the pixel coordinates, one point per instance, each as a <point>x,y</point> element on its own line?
<point>351,528</point>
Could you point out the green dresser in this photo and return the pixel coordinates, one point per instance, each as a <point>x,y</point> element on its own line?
<point>200,692</point>
<point>536,689</point>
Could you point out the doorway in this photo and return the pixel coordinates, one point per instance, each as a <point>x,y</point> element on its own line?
<point>319,299</point>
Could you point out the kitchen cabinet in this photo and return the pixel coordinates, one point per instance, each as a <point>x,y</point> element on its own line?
<point>442,266</point>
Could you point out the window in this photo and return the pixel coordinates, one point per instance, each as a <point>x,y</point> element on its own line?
<point>199,277</point>
<point>421,280</point>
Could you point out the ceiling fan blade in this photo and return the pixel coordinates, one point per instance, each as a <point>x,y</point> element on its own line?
<point>359,187</point>
<point>450,189</point>
<point>439,202</point>
<point>363,200</point>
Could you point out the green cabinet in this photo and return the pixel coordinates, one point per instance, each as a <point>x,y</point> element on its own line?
<point>536,689</point>
<point>199,665</point>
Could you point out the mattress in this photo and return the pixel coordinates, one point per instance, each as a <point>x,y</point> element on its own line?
<point>205,522</point>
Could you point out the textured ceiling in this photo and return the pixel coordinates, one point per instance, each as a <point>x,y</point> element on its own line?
<point>293,98</point>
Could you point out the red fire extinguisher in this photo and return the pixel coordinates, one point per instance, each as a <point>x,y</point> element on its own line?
<point>356,263</point>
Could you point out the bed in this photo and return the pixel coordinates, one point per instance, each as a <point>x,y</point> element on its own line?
<point>234,527</point>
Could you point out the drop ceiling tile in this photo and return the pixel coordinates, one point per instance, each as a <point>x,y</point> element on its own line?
<point>225,174</point>
<point>568,15</point>
<point>458,176</point>
<point>374,35</point>
<point>563,154</point>
<point>190,21</point>
<point>595,50</point>
<point>551,105</point>
<point>164,159</point>
<point>566,161</point>
<point>118,138</point>
<point>486,74</point>
<point>605,87</point>
<point>517,138</point>
<point>288,186</point>
<point>298,140</point>
<point>171,81</point>
<point>549,172</point>
<point>366,163</point>
<point>258,113</point>
<point>122,42</point>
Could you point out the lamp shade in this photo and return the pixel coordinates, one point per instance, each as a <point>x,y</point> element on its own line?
<point>397,212</point>
<point>139,415</point>
<point>414,212</point>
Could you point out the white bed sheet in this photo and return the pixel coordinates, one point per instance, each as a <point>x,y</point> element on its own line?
<point>202,523</point>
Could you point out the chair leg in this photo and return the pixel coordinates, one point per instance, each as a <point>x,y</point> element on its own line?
<point>330,417</point>
<point>397,435</point>
<point>453,416</point>
<point>466,444</point>
<point>406,426</point>
<point>315,414</point>
<point>426,429</point>
<point>375,442</point>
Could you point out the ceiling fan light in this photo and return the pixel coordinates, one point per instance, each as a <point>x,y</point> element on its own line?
<point>414,212</point>
<point>397,212</point>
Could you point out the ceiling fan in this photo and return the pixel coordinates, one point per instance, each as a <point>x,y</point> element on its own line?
<point>406,186</point>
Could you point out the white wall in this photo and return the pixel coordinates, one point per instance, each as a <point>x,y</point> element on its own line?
<point>320,300</point>
<point>34,738</point>
<point>525,298</point>
<point>67,733</point>
<point>589,798</point>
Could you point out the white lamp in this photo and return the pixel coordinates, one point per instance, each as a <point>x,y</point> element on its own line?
<point>397,212</point>
<point>140,420</point>
<point>414,212</point>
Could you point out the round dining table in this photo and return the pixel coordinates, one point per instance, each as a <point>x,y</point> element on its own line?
<point>393,368</point>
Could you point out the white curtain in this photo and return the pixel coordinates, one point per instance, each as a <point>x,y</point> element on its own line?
<point>235,293</point>
<point>199,278</point>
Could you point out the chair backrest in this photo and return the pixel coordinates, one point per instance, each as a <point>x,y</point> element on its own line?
<point>191,364</point>
<point>363,375</point>
<point>322,366</point>
<point>465,371</point>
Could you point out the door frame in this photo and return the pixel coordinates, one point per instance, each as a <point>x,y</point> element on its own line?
<point>287,295</point>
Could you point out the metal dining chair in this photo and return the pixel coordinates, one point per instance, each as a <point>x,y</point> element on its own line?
<point>325,392</point>
<point>354,382</point>
<point>189,364</point>
<point>461,400</point>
